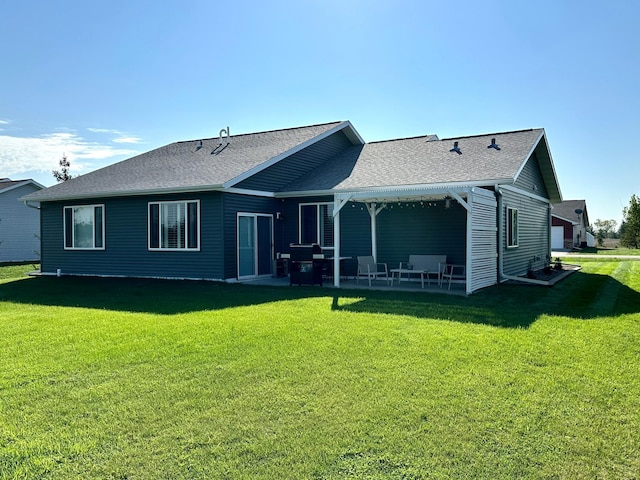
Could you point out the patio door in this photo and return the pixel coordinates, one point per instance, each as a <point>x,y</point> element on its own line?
<point>255,245</point>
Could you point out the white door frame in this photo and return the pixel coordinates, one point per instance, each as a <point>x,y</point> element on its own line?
<point>256,249</point>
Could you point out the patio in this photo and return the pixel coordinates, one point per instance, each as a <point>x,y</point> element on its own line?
<point>352,284</point>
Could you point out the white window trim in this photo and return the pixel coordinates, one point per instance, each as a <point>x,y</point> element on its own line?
<point>64,227</point>
<point>186,249</point>
<point>317,204</point>
<point>510,223</point>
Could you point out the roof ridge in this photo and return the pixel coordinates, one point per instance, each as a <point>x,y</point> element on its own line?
<point>492,133</point>
<point>454,138</point>
<point>265,131</point>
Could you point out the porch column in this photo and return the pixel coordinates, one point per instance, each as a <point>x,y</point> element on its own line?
<point>339,201</point>
<point>373,213</point>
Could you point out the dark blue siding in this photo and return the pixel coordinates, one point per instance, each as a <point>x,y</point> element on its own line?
<point>276,177</point>
<point>126,251</point>
<point>246,204</point>
<point>415,229</point>
<point>402,231</point>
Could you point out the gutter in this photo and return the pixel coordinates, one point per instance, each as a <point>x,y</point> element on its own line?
<point>26,202</point>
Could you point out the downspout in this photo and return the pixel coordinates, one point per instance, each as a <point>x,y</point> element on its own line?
<point>503,276</point>
<point>26,202</point>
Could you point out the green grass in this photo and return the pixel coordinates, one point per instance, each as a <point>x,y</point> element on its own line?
<point>607,251</point>
<point>117,378</point>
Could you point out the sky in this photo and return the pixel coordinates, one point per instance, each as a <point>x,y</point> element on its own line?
<point>101,81</point>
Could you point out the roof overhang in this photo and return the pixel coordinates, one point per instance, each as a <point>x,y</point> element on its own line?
<point>22,184</point>
<point>572,222</point>
<point>125,193</point>
<point>400,192</point>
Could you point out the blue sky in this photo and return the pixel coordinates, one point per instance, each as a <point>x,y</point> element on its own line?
<point>102,81</point>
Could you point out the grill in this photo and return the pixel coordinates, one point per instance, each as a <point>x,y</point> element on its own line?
<point>304,269</point>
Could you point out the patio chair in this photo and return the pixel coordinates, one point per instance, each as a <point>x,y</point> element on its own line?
<point>367,267</point>
<point>452,272</point>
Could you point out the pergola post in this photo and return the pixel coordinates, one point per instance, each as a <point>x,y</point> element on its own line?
<point>339,202</point>
<point>373,214</point>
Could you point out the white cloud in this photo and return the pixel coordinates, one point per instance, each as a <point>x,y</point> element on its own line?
<point>127,140</point>
<point>104,130</point>
<point>4,122</point>
<point>42,153</point>
<point>121,137</point>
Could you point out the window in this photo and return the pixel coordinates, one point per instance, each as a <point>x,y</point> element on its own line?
<point>174,225</point>
<point>512,227</point>
<point>84,227</point>
<point>316,224</point>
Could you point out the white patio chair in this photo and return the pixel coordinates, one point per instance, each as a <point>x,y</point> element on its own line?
<point>367,267</point>
<point>452,272</point>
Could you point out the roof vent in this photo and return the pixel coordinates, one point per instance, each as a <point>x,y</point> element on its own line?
<point>456,148</point>
<point>226,132</point>
<point>432,138</point>
<point>494,144</point>
<point>199,146</point>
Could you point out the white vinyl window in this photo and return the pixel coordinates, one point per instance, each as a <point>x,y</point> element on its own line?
<point>512,227</point>
<point>174,225</point>
<point>316,224</point>
<point>84,227</point>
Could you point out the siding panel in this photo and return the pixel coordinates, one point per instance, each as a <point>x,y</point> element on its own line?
<point>247,204</point>
<point>284,172</point>
<point>412,228</point>
<point>484,267</point>
<point>19,227</point>
<point>534,233</point>
<point>530,178</point>
<point>126,252</point>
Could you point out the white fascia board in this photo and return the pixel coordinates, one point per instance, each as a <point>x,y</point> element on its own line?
<point>246,191</point>
<point>400,190</point>
<point>297,148</point>
<point>525,193</point>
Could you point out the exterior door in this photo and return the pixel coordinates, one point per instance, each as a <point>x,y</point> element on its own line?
<point>557,238</point>
<point>255,245</point>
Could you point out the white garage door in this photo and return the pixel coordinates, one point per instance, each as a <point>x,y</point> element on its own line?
<point>557,238</point>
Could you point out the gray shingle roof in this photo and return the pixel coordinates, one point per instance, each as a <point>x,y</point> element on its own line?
<point>418,161</point>
<point>187,166</point>
<point>567,209</point>
<point>184,166</point>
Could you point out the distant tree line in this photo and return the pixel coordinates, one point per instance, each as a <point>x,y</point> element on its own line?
<point>629,231</point>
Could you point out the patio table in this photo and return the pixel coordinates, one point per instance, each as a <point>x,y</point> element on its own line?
<point>397,272</point>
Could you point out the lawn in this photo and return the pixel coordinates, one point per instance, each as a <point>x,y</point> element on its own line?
<point>120,378</point>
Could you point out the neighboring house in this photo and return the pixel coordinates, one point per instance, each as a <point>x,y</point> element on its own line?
<point>19,224</point>
<point>224,208</point>
<point>569,223</point>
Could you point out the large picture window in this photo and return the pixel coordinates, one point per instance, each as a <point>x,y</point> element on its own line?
<point>84,227</point>
<point>512,227</point>
<point>316,224</point>
<point>174,225</point>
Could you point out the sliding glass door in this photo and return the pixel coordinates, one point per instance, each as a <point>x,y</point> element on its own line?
<point>255,244</point>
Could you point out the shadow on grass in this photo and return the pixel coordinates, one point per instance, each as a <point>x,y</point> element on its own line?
<point>510,306</point>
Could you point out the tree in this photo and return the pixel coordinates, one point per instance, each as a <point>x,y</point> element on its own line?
<point>630,229</point>
<point>604,229</point>
<point>63,174</point>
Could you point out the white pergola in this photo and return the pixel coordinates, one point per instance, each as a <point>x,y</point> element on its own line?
<point>481,232</point>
